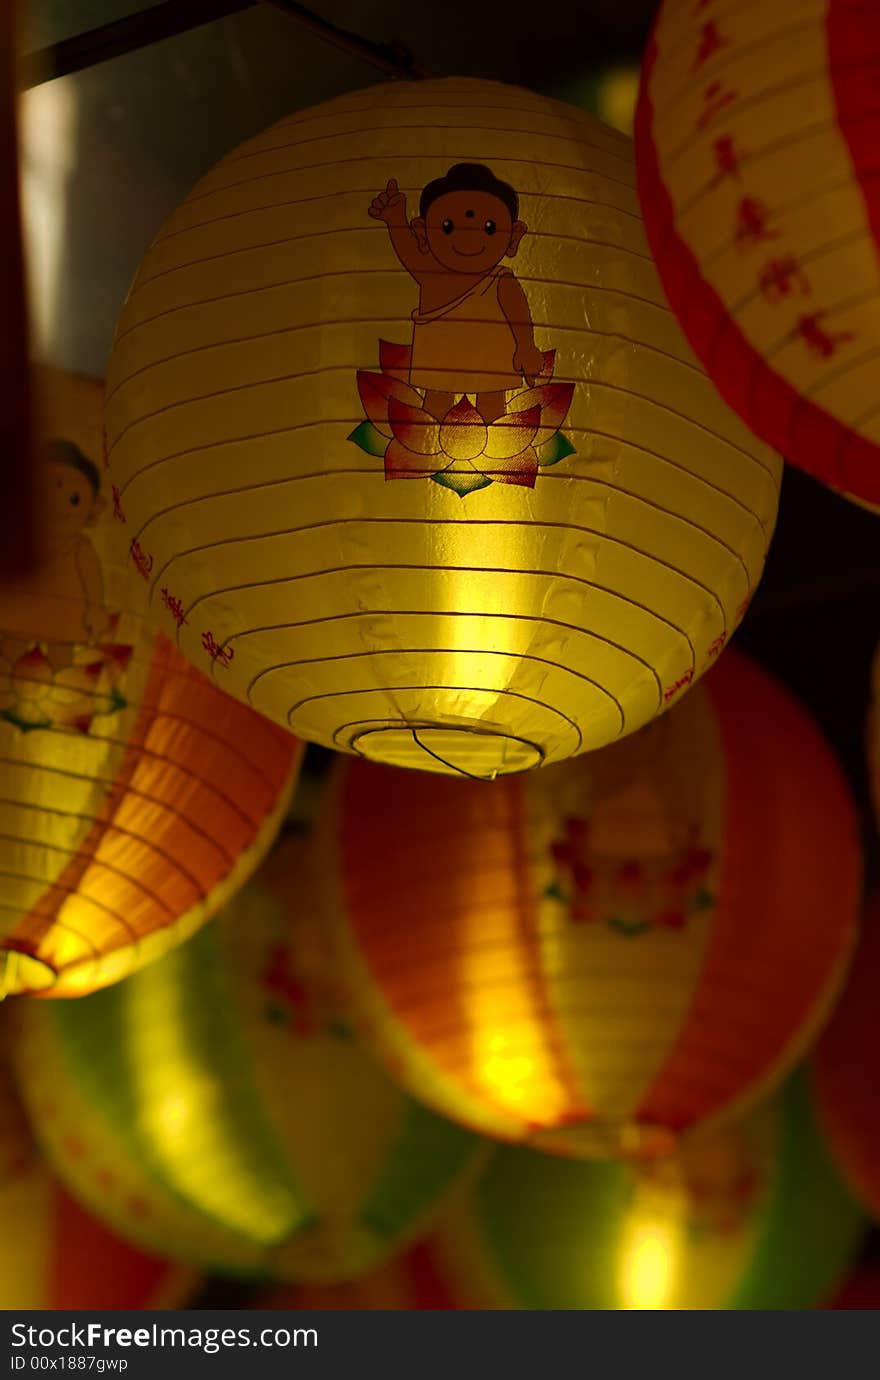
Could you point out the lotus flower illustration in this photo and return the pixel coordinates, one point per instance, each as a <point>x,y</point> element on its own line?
<point>461,452</point>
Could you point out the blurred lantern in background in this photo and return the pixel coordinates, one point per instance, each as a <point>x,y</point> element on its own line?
<point>134,794</point>
<point>213,1107</point>
<point>861,1291</point>
<point>415,445</point>
<point>607,92</point>
<point>597,957</point>
<point>873,735</point>
<point>751,1217</point>
<point>52,1254</point>
<point>844,1070</point>
<point>756,142</point>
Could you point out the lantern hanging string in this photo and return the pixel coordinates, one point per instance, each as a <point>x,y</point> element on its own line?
<point>173,17</point>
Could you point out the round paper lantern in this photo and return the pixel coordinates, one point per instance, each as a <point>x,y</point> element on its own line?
<point>756,144</point>
<point>752,1217</point>
<point>410,451</point>
<point>53,1254</point>
<point>844,1070</point>
<point>596,957</point>
<point>210,1107</point>
<point>135,795</point>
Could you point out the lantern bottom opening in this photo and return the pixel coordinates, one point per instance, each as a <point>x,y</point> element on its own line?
<point>473,752</point>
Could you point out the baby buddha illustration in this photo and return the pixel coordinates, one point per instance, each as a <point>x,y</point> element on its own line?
<point>472,399</point>
<point>53,622</point>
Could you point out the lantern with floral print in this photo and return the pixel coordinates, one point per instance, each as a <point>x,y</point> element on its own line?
<point>397,413</point>
<point>135,795</point>
<point>751,1217</point>
<point>594,958</point>
<point>756,140</point>
<point>215,1108</point>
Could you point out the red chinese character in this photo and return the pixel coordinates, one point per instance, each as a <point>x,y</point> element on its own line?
<point>682,681</point>
<point>173,605</point>
<point>717,646</point>
<point>215,651</point>
<point>820,342</point>
<point>751,223</point>
<point>143,562</point>
<point>715,99</point>
<point>780,277</point>
<point>727,159</point>
<point>710,43</point>
<point>117,504</point>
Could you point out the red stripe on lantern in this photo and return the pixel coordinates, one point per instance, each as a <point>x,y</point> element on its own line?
<point>790,423</point>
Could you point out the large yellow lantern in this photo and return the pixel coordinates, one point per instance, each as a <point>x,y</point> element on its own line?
<point>597,957</point>
<point>752,1217</point>
<point>756,140</point>
<point>135,796</point>
<point>410,452</point>
<point>213,1108</point>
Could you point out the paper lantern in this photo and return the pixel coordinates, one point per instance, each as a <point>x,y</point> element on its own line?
<point>469,519</point>
<point>209,1106</point>
<point>596,957</point>
<point>54,1255</point>
<point>135,795</point>
<point>844,1070</point>
<point>756,144</point>
<point>753,1217</point>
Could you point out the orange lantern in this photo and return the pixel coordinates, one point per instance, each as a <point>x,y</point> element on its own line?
<point>756,145</point>
<point>845,1071</point>
<point>597,957</point>
<point>135,795</point>
<point>401,425</point>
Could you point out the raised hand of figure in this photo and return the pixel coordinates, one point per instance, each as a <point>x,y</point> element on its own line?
<point>389,205</point>
<point>528,360</point>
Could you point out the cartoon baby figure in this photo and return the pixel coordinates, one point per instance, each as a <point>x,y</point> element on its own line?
<point>472,330</point>
<point>60,605</point>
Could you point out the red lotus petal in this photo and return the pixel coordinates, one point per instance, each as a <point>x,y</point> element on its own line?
<point>549,364</point>
<point>376,389</point>
<point>413,427</point>
<point>554,400</point>
<point>516,469</point>
<point>513,433</point>
<point>463,433</point>
<point>395,359</point>
<point>401,463</point>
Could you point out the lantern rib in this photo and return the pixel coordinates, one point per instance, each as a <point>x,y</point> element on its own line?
<point>93,861</point>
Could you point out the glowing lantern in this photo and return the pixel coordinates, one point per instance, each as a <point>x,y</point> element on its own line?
<point>53,1255</point>
<point>136,795</point>
<point>844,1071</point>
<point>597,957</point>
<point>399,418</point>
<point>756,140</point>
<point>238,1125</point>
<point>753,1217</point>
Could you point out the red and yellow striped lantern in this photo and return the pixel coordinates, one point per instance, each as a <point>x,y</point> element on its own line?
<point>401,424</point>
<point>844,1070</point>
<point>594,958</point>
<point>135,795</point>
<point>756,144</point>
<point>53,1254</point>
<point>749,1217</point>
<point>214,1108</point>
